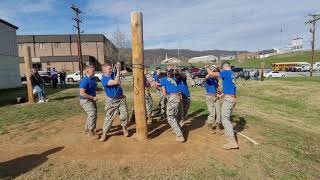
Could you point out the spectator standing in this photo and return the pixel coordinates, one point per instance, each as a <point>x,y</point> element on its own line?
<point>62,78</point>
<point>54,78</point>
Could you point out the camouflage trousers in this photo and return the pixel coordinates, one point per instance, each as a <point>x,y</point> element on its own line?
<point>213,104</point>
<point>226,111</point>
<point>149,103</point>
<point>172,113</point>
<point>90,107</point>
<point>113,107</point>
<point>184,108</point>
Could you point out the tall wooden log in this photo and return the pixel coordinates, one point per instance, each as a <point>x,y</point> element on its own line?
<point>138,75</point>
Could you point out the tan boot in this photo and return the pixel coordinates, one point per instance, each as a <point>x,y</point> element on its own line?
<point>210,128</point>
<point>91,133</point>
<point>104,136</point>
<point>180,139</point>
<point>219,129</point>
<point>125,131</point>
<point>232,144</point>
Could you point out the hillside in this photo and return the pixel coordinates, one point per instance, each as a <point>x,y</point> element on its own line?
<point>304,56</point>
<point>152,56</point>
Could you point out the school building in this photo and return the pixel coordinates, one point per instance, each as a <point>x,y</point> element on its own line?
<point>61,51</point>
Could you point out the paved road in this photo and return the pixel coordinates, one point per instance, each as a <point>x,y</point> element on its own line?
<point>293,74</point>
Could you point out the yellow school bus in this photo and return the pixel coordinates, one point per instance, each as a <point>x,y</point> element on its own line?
<point>291,66</point>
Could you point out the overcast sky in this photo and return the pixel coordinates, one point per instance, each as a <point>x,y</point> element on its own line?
<point>191,24</point>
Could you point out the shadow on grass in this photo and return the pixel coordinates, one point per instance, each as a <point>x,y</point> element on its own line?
<point>9,96</point>
<point>15,167</point>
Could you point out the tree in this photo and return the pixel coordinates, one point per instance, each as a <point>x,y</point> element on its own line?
<point>120,40</point>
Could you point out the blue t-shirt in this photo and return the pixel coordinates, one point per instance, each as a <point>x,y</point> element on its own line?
<point>111,91</point>
<point>89,85</point>
<point>227,82</point>
<point>183,87</point>
<point>156,77</point>
<point>170,84</point>
<point>212,85</point>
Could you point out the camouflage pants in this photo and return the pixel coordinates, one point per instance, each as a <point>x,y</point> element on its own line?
<point>184,108</point>
<point>163,102</point>
<point>213,104</point>
<point>113,107</point>
<point>226,111</point>
<point>149,103</point>
<point>172,113</point>
<point>90,107</point>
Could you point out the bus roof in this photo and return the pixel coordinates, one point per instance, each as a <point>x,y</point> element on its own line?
<point>291,63</point>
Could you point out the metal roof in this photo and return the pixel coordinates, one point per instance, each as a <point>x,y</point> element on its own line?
<point>8,24</point>
<point>63,38</point>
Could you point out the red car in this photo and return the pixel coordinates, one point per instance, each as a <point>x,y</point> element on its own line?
<point>194,70</point>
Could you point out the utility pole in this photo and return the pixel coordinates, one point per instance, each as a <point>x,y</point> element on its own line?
<point>77,19</point>
<point>27,62</point>
<point>313,21</point>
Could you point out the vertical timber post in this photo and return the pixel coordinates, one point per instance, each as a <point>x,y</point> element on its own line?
<point>27,63</point>
<point>138,75</point>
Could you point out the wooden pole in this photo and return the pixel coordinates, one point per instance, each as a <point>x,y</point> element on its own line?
<point>27,62</point>
<point>262,71</point>
<point>312,46</point>
<point>138,75</point>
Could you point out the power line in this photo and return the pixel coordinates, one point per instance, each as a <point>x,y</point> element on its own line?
<point>313,21</point>
<point>77,19</point>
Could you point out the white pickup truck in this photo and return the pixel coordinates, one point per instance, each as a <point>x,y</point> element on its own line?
<point>75,77</point>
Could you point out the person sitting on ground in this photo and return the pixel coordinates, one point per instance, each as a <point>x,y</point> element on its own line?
<point>229,101</point>
<point>88,99</point>
<point>115,100</point>
<point>170,89</point>
<point>37,84</point>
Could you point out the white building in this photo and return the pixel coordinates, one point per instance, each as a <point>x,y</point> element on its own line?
<point>204,59</point>
<point>9,60</point>
<point>296,44</point>
<point>172,60</point>
<point>227,57</point>
<point>268,53</point>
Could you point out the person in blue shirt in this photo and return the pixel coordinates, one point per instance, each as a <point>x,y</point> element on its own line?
<point>170,89</point>
<point>88,100</point>
<point>115,100</point>
<point>229,101</point>
<point>182,84</point>
<point>213,103</point>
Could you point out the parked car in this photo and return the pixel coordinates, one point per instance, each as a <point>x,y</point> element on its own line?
<point>46,76</point>
<point>274,74</point>
<point>194,70</point>
<point>75,77</point>
<point>200,74</point>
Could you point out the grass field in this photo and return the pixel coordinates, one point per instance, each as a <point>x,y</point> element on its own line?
<point>282,115</point>
<point>304,56</point>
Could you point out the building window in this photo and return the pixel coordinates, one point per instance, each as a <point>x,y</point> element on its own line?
<point>41,45</point>
<point>57,45</point>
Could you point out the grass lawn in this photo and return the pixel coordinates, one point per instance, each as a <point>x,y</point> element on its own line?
<point>281,114</point>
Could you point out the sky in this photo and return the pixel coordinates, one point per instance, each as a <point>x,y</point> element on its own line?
<point>185,24</point>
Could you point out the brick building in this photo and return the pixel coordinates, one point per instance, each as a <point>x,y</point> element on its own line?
<point>61,51</point>
<point>248,55</point>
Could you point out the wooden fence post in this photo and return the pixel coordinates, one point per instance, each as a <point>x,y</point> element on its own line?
<point>27,63</point>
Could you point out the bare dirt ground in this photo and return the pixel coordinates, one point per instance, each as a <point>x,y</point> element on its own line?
<point>62,145</point>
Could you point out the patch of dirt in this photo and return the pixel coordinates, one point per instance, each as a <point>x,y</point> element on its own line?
<point>63,142</point>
